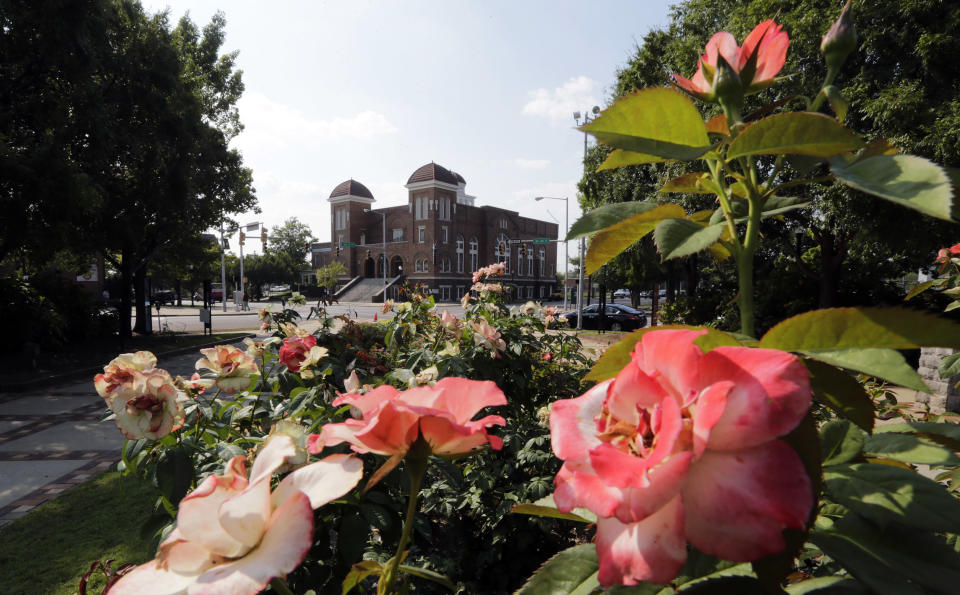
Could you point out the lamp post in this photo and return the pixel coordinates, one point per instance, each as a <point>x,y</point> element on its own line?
<point>594,111</point>
<point>566,244</point>
<point>384,216</point>
<point>223,270</point>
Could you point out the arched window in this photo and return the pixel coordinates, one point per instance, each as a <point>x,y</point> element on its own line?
<point>459,253</point>
<point>474,249</point>
<point>530,261</point>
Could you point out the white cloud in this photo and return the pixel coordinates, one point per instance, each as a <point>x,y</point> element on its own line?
<point>531,163</point>
<point>577,94</point>
<point>270,125</point>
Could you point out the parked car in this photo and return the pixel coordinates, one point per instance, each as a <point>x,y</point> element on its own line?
<point>279,288</point>
<point>621,293</point>
<point>164,298</point>
<point>617,317</point>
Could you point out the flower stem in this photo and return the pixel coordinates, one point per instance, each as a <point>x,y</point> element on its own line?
<point>280,587</point>
<point>745,256</point>
<point>416,464</point>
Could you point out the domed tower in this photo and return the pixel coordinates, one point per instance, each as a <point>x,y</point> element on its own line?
<point>433,203</point>
<point>347,202</point>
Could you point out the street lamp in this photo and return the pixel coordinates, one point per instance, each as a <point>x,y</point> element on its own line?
<point>594,111</point>
<point>566,245</point>
<point>384,216</point>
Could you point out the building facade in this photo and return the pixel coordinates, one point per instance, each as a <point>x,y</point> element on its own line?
<point>438,238</point>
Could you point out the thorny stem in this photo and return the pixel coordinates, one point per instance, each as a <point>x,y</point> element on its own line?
<point>724,203</point>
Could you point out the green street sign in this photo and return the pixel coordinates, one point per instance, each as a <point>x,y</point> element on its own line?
<point>541,240</point>
<point>347,245</point>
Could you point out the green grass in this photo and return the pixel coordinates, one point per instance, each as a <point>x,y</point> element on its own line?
<point>49,549</point>
<point>79,356</point>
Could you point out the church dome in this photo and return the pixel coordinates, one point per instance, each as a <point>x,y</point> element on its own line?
<point>432,171</point>
<point>351,188</point>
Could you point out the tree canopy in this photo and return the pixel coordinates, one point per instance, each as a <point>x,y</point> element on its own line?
<point>902,84</point>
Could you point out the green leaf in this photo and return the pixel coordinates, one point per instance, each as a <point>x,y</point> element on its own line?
<point>838,103</point>
<point>861,328</point>
<point>947,434</point>
<point>921,287</point>
<point>547,507</point>
<point>949,366</point>
<point>893,560</point>
<point>607,216</point>
<point>908,180</point>
<point>691,183</point>
<point>676,238</point>
<point>841,392</point>
<point>909,448</point>
<point>797,133</point>
<point>174,474</point>
<point>618,355</point>
<point>775,205</point>
<point>840,442</point>
<point>358,572</point>
<point>428,574</point>
<point>885,494</point>
<point>573,570</point>
<point>656,121</point>
<point>825,585</point>
<point>606,244</point>
<point>882,363</point>
<point>620,158</point>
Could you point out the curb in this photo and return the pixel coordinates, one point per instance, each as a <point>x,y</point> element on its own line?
<point>45,381</point>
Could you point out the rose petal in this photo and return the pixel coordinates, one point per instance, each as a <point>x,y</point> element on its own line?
<point>651,550</point>
<point>461,397</point>
<point>198,517</point>
<point>323,481</point>
<point>284,545</point>
<point>709,408</point>
<point>573,429</point>
<point>152,579</point>
<point>770,397</point>
<point>738,503</point>
<point>671,358</point>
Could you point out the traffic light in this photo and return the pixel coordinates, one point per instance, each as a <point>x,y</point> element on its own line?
<point>338,250</point>
<point>263,238</point>
<point>242,238</point>
<point>503,249</point>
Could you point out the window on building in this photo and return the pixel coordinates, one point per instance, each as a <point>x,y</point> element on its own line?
<point>363,238</point>
<point>426,267</point>
<point>543,262</point>
<point>445,293</point>
<point>543,291</point>
<point>520,260</point>
<point>503,223</point>
<point>398,235</point>
<point>421,234</point>
<point>530,261</point>
<point>339,241</point>
<point>459,253</point>
<point>461,290</point>
<point>443,235</point>
<point>529,292</point>
<point>474,250</point>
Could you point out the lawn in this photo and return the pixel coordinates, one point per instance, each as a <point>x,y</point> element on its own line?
<point>48,550</point>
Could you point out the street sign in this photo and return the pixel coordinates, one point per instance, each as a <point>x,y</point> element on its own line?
<point>541,240</point>
<point>348,245</point>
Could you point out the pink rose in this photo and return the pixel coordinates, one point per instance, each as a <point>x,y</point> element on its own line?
<point>682,447</point>
<point>295,350</point>
<point>488,336</point>
<point>233,535</point>
<point>121,370</point>
<point>771,55</point>
<point>392,420</point>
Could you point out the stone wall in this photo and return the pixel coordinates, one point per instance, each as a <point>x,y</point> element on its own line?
<point>945,396</point>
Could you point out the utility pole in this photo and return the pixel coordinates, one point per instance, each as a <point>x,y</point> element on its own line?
<point>586,120</point>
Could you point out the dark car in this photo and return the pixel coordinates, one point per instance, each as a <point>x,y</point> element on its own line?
<point>164,298</point>
<point>617,317</point>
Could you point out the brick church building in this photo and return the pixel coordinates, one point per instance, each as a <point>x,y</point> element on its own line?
<point>438,239</point>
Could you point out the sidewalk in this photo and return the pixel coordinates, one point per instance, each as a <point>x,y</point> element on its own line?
<point>52,439</point>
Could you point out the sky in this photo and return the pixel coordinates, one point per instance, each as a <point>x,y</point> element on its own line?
<point>372,90</point>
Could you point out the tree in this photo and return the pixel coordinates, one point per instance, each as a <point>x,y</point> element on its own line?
<point>327,275</point>
<point>902,85</point>
<point>292,238</point>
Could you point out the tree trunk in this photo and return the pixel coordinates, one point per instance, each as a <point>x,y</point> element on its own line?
<point>833,251</point>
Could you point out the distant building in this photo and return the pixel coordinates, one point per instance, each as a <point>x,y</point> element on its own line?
<point>438,238</point>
